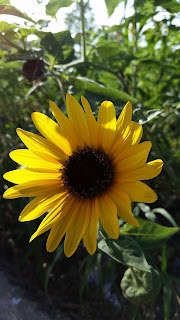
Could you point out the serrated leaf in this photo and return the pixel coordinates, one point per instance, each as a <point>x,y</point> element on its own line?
<point>54,5</point>
<point>87,84</point>
<point>126,251</point>
<point>149,234</point>
<point>111,6</point>
<point>10,10</point>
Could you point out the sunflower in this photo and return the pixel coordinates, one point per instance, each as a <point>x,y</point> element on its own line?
<point>81,170</point>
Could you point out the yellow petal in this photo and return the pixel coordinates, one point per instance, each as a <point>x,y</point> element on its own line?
<point>26,175</point>
<point>56,234</point>
<point>65,123</point>
<point>40,144</point>
<point>28,159</point>
<point>39,206</point>
<point>125,117</point>
<point>135,160</point>
<point>138,191</point>
<point>107,124</point>
<point>52,132</point>
<point>149,171</point>
<point>131,136</point>
<point>77,228</point>
<point>108,215</point>
<point>123,204</point>
<point>92,124</point>
<point>90,237</point>
<point>53,217</point>
<point>78,118</point>
<point>60,227</point>
<point>32,189</point>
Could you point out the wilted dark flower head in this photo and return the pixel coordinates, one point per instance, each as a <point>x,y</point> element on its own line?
<point>33,69</point>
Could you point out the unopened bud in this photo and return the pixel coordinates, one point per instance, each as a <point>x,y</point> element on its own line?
<point>143,288</point>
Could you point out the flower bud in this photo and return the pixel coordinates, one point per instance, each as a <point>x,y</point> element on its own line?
<point>141,287</point>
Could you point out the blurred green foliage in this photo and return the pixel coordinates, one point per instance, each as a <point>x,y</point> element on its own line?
<point>137,60</point>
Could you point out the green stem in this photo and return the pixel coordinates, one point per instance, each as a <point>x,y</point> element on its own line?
<point>134,51</point>
<point>9,43</point>
<point>61,86</point>
<point>138,282</point>
<point>164,259</point>
<point>83,36</point>
<point>118,75</point>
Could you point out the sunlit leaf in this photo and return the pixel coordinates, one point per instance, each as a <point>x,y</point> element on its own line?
<point>3,2</point>
<point>87,84</point>
<point>54,5</point>
<point>4,26</point>
<point>10,10</point>
<point>126,251</point>
<point>149,235</point>
<point>172,6</point>
<point>150,114</point>
<point>111,5</point>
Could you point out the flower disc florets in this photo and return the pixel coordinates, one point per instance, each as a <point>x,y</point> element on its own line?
<point>88,173</point>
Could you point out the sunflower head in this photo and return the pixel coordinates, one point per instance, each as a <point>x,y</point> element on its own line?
<point>81,170</point>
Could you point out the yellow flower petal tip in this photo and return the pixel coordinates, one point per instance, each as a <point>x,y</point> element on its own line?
<point>80,171</point>
<point>136,223</point>
<point>33,237</point>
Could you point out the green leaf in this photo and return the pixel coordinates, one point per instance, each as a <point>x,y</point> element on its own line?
<point>84,83</point>
<point>166,214</point>
<point>111,5</point>
<point>3,2</point>
<point>10,65</point>
<point>7,9</point>
<point>150,114</point>
<point>110,49</point>
<point>54,5</point>
<point>171,6</point>
<point>126,251</point>
<point>149,234</point>
<point>59,45</point>
<point>4,26</point>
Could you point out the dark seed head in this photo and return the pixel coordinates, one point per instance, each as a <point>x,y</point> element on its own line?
<point>33,69</point>
<point>88,173</point>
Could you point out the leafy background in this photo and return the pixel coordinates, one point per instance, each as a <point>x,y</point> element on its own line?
<point>137,60</point>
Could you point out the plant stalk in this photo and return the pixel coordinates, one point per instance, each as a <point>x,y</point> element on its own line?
<point>61,86</point>
<point>135,50</point>
<point>83,36</point>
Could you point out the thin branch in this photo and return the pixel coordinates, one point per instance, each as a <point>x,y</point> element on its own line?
<point>61,86</point>
<point>69,65</point>
<point>116,74</point>
<point>9,43</point>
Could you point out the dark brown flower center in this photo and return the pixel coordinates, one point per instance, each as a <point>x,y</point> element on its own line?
<point>88,173</point>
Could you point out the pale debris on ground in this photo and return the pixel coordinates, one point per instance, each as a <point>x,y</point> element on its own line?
<point>14,306</point>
